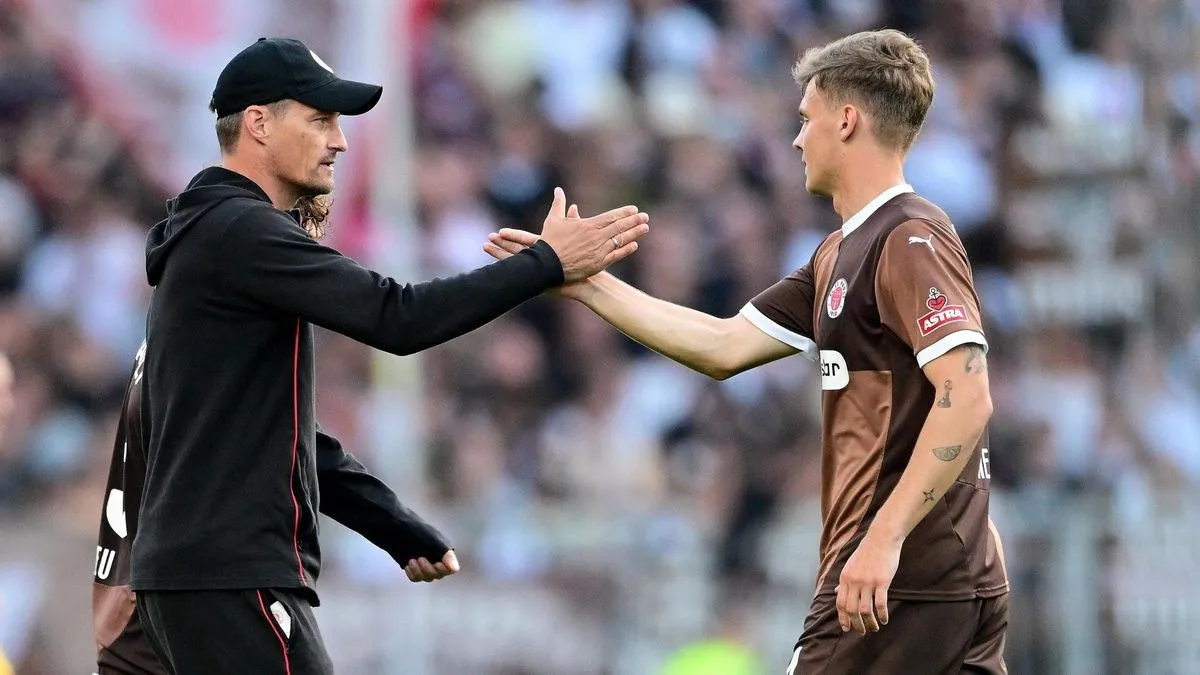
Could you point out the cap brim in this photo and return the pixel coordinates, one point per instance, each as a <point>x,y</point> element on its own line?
<point>342,96</point>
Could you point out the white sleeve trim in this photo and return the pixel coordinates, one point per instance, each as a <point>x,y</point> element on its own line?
<point>805,346</point>
<point>939,348</point>
<point>791,669</point>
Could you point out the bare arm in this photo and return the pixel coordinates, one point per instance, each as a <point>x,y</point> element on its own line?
<point>719,348</point>
<point>961,409</point>
<point>955,423</point>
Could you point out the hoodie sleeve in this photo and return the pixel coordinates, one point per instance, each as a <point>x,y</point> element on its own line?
<point>270,259</point>
<point>360,501</point>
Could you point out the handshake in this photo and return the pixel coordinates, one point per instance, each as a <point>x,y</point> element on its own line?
<point>584,246</point>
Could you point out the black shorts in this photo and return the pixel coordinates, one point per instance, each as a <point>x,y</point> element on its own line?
<point>130,653</point>
<point>234,632</point>
<point>930,638</point>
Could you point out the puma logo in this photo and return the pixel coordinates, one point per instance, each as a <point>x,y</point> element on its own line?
<point>319,61</point>
<point>928,241</point>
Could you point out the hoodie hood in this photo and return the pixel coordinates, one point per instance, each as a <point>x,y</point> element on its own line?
<point>206,191</point>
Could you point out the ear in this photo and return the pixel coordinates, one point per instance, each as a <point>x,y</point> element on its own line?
<point>849,122</point>
<point>256,123</point>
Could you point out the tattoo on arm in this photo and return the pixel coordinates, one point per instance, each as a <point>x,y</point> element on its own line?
<point>947,453</point>
<point>944,401</point>
<point>928,496</point>
<point>976,359</point>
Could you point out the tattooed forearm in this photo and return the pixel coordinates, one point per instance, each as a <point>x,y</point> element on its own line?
<point>944,401</point>
<point>947,453</point>
<point>928,496</point>
<point>976,359</point>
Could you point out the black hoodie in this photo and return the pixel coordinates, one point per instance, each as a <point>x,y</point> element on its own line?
<point>231,498</point>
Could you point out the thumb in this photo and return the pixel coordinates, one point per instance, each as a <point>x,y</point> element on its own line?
<point>559,206</point>
<point>573,212</point>
<point>450,560</point>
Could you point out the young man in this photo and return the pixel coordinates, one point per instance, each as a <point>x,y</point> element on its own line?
<point>888,307</point>
<point>228,523</point>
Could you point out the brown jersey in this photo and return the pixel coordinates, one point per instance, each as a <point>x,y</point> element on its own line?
<point>121,643</point>
<point>882,297</point>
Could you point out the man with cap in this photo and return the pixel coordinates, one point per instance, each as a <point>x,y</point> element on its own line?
<point>226,554</point>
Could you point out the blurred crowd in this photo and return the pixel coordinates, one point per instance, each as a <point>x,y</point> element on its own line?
<point>1062,143</point>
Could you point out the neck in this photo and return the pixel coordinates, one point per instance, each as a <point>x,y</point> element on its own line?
<point>865,182</point>
<point>282,196</point>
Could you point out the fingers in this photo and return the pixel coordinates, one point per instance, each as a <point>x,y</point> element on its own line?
<point>500,247</point>
<point>866,611</point>
<point>843,614</point>
<point>508,246</point>
<point>495,251</point>
<point>881,606</point>
<point>421,570</point>
<point>559,206</point>
<point>412,571</point>
<point>629,228</point>
<point>427,569</point>
<point>609,217</point>
<point>854,602</point>
<point>625,223</point>
<point>522,237</point>
<point>573,212</point>
<point>855,611</point>
<point>620,253</point>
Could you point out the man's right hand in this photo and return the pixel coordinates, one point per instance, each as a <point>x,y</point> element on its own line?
<point>585,247</point>
<point>509,242</point>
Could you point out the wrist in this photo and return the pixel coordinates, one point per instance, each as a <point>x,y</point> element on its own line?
<point>587,290</point>
<point>887,532</point>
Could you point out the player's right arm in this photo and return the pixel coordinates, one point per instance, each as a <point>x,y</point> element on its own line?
<point>719,348</point>
<point>775,324</point>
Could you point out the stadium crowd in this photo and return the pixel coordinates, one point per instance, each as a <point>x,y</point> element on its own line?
<point>1062,143</point>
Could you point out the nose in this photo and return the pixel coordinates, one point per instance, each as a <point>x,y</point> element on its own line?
<point>798,142</point>
<point>337,141</point>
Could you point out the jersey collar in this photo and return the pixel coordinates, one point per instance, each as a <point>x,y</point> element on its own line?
<point>867,211</point>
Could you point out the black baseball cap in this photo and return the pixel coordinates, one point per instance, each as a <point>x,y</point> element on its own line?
<point>274,69</point>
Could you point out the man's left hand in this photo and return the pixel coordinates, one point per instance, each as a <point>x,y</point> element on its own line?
<point>863,587</point>
<point>420,569</point>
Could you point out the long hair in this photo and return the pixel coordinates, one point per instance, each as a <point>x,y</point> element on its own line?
<point>314,211</point>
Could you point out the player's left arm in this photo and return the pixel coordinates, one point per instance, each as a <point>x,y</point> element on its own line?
<point>354,497</point>
<point>960,413</point>
<point>927,298</point>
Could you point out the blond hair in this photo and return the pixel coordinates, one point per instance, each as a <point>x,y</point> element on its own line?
<point>884,72</point>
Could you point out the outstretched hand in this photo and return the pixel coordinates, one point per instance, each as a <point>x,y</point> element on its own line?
<point>585,246</point>
<point>510,241</point>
